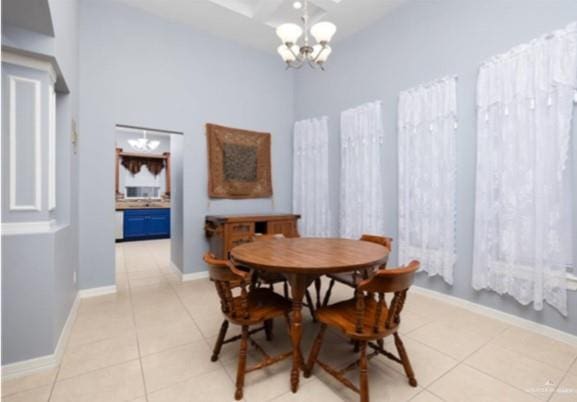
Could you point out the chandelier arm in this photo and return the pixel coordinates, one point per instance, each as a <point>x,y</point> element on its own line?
<point>305,52</point>
<point>296,64</point>
<point>323,48</point>
<point>314,65</point>
<point>305,19</point>
<point>297,56</point>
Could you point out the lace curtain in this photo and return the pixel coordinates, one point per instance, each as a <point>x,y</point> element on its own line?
<point>525,104</point>
<point>311,177</point>
<point>361,202</point>
<point>427,165</point>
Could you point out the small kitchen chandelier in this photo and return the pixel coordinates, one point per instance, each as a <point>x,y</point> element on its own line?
<point>295,55</point>
<point>143,144</point>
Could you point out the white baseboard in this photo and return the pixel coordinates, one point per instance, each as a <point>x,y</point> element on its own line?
<point>499,315</point>
<point>175,271</point>
<point>93,292</point>
<point>194,276</point>
<point>187,277</point>
<point>26,367</point>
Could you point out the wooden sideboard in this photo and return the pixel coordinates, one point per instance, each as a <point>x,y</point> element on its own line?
<point>225,232</point>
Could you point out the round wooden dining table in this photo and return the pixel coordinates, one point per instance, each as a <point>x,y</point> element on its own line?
<point>302,260</point>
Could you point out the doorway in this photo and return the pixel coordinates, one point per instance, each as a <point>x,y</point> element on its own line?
<point>148,206</point>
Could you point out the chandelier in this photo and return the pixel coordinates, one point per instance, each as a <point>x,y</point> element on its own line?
<point>295,55</point>
<point>144,144</point>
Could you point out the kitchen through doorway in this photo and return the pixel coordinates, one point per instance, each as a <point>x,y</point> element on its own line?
<point>148,205</point>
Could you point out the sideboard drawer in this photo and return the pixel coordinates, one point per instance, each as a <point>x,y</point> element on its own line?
<point>238,240</point>
<point>286,228</point>
<point>245,228</point>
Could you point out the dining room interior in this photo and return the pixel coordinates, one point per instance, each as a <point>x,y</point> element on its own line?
<point>281,200</point>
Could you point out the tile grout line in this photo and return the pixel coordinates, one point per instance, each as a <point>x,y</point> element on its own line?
<point>535,359</point>
<point>453,357</point>
<point>459,362</point>
<point>56,379</point>
<point>566,375</point>
<point>187,311</point>
<point>463,362</point>
<point>422,392</point>
<point>501,381</point>
<point>203,338</point>
<point>133,315</point>
<point>50,395</point>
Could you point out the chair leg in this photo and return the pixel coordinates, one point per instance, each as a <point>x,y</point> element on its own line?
<point>310,305</point>
<point>241,369</point>
<point>315,350</point>
<point>219,341</point>
<point>318,290</point>
<point>285,290</point>
<point>405,359</point>
<point>364,372</point>
<point>268,325</point>
<point>328,293</point>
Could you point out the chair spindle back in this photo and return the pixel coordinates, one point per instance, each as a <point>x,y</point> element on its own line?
<point>396,281</point>
<point>386,242</point>
<point>226,278</point>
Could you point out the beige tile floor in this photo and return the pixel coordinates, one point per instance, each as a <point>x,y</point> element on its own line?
<point>152,340</point>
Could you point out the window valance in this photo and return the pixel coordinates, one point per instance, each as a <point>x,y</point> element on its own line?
<point>133,163</point>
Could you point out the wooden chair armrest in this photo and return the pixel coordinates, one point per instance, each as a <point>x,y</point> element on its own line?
<point>245,275</point>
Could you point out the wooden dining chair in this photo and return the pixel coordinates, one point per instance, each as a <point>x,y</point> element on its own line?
<point>368,319</point>
<point>352,279</point>
<point>273,278</point>
<point>249,307</point>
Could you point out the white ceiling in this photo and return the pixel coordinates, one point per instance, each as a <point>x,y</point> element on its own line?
<point>252,22</point>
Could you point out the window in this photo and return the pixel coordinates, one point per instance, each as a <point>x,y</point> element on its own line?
<point>142,192</point>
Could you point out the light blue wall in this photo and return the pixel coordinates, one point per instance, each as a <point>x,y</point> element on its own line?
<point>138,69</point>
<point>176,201</point>
<point>66,255</point>
<point>27,297</point>
<point>418,42</point>
<point>38,289</point>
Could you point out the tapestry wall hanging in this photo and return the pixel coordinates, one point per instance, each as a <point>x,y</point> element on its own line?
<point>238,163</point>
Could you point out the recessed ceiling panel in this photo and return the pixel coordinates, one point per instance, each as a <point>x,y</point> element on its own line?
<point>287,13</point>
<point>252,22</point>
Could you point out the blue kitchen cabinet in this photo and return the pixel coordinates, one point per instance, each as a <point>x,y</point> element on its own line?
<point>146,223</point>
<point>134,225</point>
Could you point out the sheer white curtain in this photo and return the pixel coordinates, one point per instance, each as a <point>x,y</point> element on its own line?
<point>427,166</point>
<point>311,177</point>
<point>525,104</point>
<point>361,203</point>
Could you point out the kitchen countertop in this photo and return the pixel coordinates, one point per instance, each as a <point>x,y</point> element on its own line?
<point>142,204</point>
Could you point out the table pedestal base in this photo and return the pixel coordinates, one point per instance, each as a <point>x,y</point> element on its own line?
<point>299,284</point>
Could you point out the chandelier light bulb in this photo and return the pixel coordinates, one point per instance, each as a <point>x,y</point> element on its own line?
<point>320,54</point>
<point>297,5</point>
<point>289,33</point>
<point>286,54</point>
<point>323,31</point>
<point>143,144</point>
<point>152,145</point>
